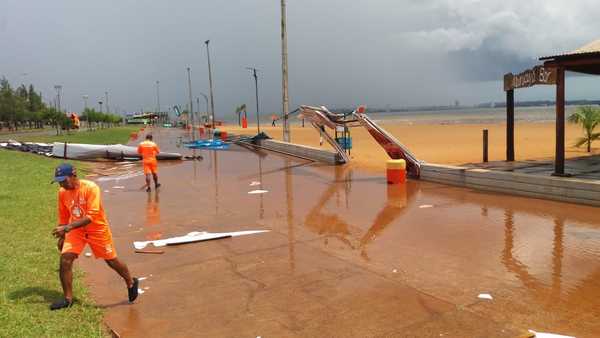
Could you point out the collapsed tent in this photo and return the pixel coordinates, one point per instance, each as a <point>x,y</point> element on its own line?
<point>111,152</point>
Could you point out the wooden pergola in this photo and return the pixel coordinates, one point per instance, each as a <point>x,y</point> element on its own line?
<point>583,60</point>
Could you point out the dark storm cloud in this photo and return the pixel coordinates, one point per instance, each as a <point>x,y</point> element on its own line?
<point>341,52</point>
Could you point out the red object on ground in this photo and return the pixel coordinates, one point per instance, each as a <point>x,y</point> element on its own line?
<point>244,122</point>
<point>201,130</point>
<point>133,135</point>
<point>395,176</point>
<point>223,135</point>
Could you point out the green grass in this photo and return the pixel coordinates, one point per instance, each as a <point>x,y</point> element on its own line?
<point>28,255</point>
<point>99,136</point>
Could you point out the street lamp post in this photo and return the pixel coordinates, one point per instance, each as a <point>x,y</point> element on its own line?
<point>157,98</point>
<point>206,99</point>
<point>212,101</point>
<point>106,96</point>
<point>256,90</point>
<point>284,73</point>
<point>191,111</point>
<point>58,89</point>
<point>100,103</point>
<point>198,110</point>
<point>85,98</point>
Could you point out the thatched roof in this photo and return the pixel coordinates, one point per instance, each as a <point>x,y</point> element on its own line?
<point>588,49</point>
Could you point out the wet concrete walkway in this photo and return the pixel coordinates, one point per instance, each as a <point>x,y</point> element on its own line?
<point>348,255</point>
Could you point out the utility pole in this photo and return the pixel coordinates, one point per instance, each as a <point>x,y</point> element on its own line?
<point>198,110</point>
<point>106,100</point>
<point>284,73</point>
<point>58,89</point>
<point>212,100</point>
<point>191,111</point>
<point>157,97</point>
<point>256,90</point>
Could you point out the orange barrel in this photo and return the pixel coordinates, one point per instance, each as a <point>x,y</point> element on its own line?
<point>396,171</point>
<point>244,122</point>
<point>223,135</point>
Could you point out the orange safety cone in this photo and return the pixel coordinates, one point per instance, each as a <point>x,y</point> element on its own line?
<point>244,122</point>
<point>396,171</point>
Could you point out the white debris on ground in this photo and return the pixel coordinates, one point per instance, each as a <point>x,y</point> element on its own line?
<point>548,335</point>
<point>195,236</point>
<point>485,296</point>
<point>425,206</point>
<point>254,183</point>
<point>257,192</point>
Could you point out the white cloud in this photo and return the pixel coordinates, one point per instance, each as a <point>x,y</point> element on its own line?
<point>526,29</point>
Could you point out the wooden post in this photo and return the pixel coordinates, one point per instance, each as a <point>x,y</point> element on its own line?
<point>510,125</point>
<point>65,151</point>
<point>485,145</point>
<point>559,158</point>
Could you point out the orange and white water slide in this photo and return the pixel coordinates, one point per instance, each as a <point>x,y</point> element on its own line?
<point>321,117</point>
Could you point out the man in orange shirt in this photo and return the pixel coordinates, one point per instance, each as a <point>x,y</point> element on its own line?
<point>82,221</point>
<point>149,150</point>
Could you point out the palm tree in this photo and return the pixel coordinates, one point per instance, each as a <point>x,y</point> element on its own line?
<point>589,118</point>
<point>239,110</point>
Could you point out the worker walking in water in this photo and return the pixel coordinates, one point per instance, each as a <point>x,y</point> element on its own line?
<point>82,221</point>
<point>149,150</point>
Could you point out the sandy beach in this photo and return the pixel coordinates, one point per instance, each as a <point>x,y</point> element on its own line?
<point>442,143</point>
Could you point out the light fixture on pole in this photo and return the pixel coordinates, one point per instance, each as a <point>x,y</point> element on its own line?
<point>58,90</point>
<point>191,110</point>
<point>212,100</point>
<point>256,90</point>
<point>207,111</point>
<point>157,97</point>
<point>284,73</point>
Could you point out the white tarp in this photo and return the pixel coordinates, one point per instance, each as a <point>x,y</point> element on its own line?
<point>113,151</point>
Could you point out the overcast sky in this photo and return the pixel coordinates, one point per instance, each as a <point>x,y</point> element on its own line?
<point>341,52</point>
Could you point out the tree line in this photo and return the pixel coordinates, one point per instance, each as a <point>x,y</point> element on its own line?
<point>23,108</point>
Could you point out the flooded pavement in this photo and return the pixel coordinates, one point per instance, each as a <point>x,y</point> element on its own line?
<point>347,255</point>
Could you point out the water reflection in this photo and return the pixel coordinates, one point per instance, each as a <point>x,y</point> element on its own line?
<point>215,166</point>
<point>290,213</point>
<point>521,270</point>
<point>153,215</point>
<point>333,225</point>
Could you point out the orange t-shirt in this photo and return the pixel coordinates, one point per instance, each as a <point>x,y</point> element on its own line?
<point>148,150</point>
<point>80,202</point>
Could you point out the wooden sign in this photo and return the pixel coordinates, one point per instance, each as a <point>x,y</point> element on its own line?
<point>538,75</point>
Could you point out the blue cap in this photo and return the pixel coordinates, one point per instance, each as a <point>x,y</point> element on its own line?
<point>63,171</point>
